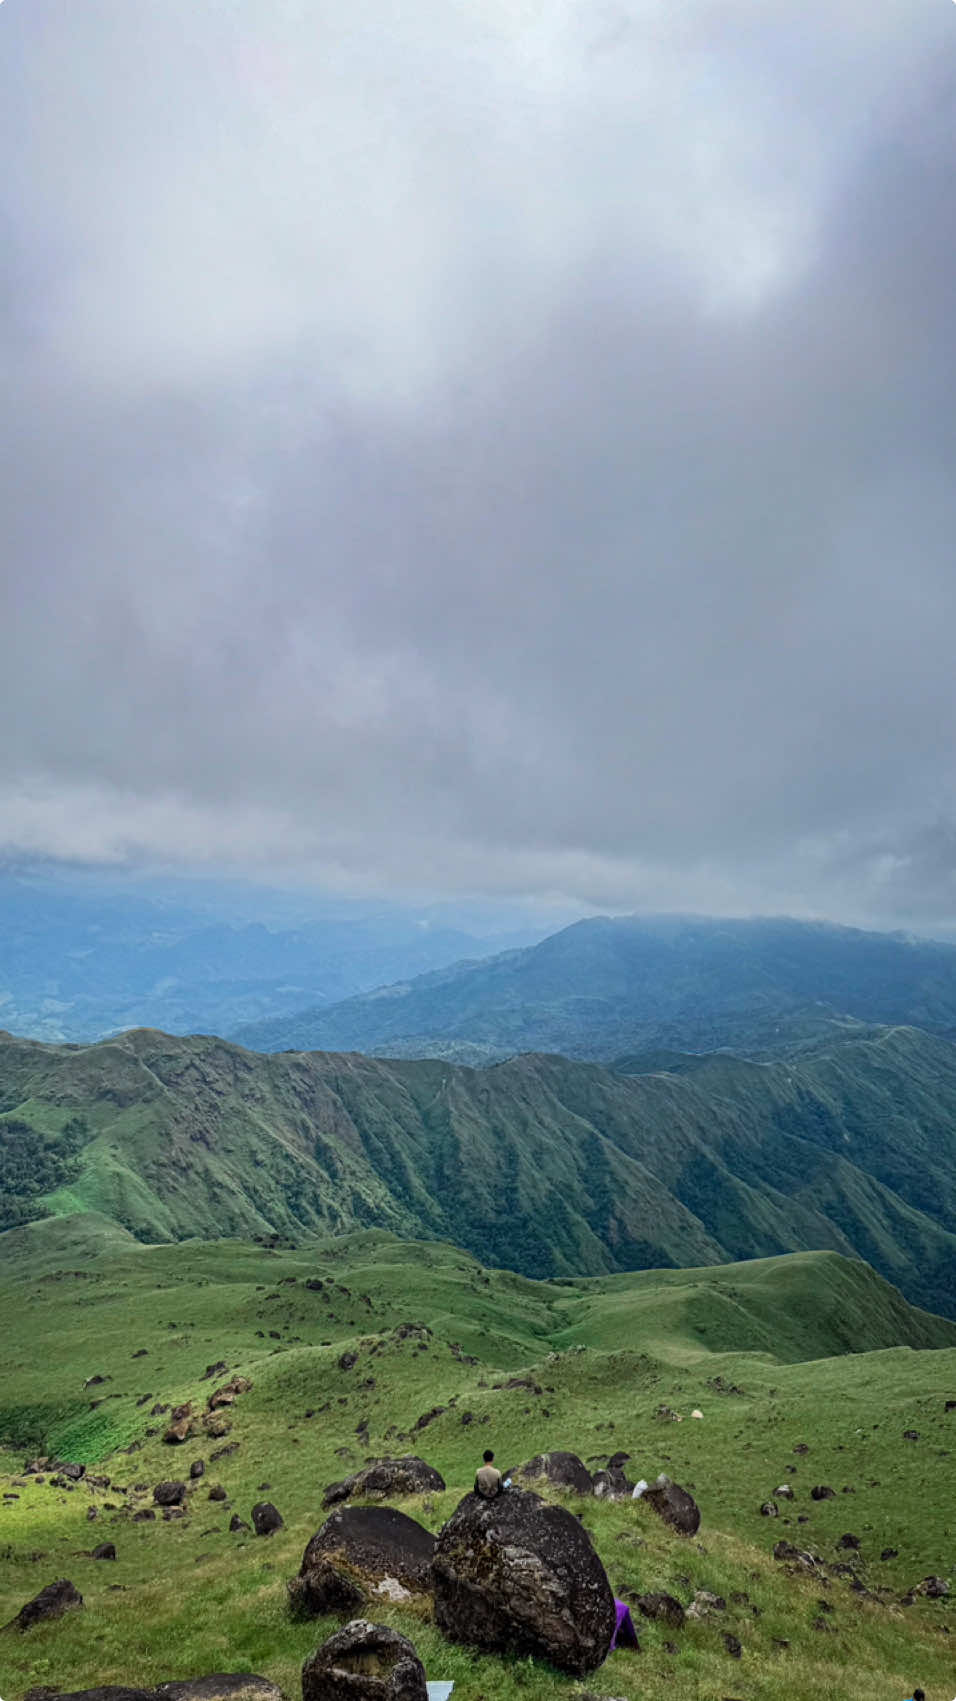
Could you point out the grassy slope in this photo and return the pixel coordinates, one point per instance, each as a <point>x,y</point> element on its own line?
<point>550,1166</point>
<point>603,987</point>
<point>191,1598</point>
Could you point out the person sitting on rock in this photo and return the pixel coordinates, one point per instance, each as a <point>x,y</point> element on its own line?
<point>918,1695</point>
<point>489,1481</point>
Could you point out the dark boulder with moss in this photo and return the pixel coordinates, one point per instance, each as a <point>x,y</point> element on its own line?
<point>561,1470</point>
<point>673,1503</point>
<point>52,1602</point>
<point>519,1575</point>
<point>371,1545</point>
<point>364,1662</point>
<point>386,1479</point>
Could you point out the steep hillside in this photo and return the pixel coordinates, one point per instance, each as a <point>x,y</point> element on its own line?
<point>489,1359</point>
<point>543,1165</point>
<point>604,987</point>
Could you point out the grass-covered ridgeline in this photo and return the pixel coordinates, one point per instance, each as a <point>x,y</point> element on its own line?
<point>539,1164</point>
<point>808,1351</point>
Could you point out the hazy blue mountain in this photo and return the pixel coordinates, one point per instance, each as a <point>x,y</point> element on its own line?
<point>83,956</point>
<point>604,987</point>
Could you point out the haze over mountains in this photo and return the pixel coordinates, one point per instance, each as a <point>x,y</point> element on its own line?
<point>82,956</point>
<point>606,986</point>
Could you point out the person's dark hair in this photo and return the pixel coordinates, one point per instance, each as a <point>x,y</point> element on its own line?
<point>488,1456</point>
<point>918,1695</point>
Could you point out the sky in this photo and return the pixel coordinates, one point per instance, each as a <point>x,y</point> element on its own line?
<point>476,447</point>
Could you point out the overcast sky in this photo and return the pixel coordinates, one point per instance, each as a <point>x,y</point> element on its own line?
<point>485,446</point>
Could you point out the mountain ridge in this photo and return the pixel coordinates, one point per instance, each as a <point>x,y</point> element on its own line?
<point>605,986</point>
<point>541,1164</point>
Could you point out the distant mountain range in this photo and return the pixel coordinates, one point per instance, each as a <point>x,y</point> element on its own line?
<point>543,1165</point>
<point>604,987</point>
<point>81,958</point>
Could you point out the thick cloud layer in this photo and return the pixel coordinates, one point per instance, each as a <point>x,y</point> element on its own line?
<point>485,447</point>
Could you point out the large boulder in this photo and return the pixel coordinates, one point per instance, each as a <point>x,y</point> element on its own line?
<point>517,1574</point>
<point>562,1470</point>
<point>266,1518</point>
<point>386,1479</point>
<point>373,1545</point>
<point>364,1662</point>
<point>673,1503</point>
<point>56,1599</point>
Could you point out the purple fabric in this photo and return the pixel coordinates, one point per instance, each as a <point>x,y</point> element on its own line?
<point>624,1633</point>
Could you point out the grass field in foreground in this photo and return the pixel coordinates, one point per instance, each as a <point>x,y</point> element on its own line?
<point>762,1349</point>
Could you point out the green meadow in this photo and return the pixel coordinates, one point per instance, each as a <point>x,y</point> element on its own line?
<point>809,1351</point>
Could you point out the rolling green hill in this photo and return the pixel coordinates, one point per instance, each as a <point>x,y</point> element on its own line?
<point>544,1165</point>
<point>604,987</point>
<point>810,1352</point>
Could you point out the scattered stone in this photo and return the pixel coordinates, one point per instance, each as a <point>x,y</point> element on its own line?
<point>169,1493</point>
<point>934,1588</point>
<point>224,1452</point>
<point>911,1435</point>
<point>146,1516</point>
<point>732,1645</point>
<point>348,1361</point>
<point>801,1447</point>
<point>217,1369</point>
<point>673,1503</point>
<point>849,1541</point>
<point>56,1599</point>
<point>179,1431</point>
<point>215,1425</point>
<point>237,1523</point>
<point>705,1604</point>
<point>266,1519</point>
<point>660,1606</point>
<point>611,1484</point>
<point>196,1470</point>
<point>228,1394</point>
<point>786,1550</point>
<point>784,1492</point>
<point>822,1492</point>
<point>769,1509</point>
<point>516,1574</point>
<point>426,1418</point>
<point>364,1662</point>
<point>106,1550</point>
<point>217,1492</point>
<point>562,1470</point>
<point>386,1478</point>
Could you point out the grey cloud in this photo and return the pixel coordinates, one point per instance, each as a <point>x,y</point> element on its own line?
<point>485,450</point>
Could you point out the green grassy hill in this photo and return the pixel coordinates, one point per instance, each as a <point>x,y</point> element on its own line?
<point>607,986</point>
<point>548,1166</point>
<point>761,1349</point>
